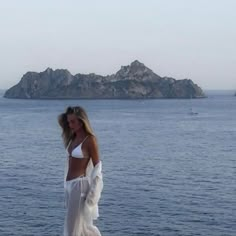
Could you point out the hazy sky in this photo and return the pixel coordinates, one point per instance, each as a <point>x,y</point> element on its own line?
<point>193,39</point>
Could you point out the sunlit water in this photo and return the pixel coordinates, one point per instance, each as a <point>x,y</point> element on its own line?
<point>166,172</point>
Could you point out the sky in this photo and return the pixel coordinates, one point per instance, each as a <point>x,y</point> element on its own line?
<point>194,39</point>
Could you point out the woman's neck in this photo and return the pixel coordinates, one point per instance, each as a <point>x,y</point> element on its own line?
<point>80,135</point>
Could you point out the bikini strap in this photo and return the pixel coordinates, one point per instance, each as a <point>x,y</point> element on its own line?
<point>68,144</point>
<point>84,139</point>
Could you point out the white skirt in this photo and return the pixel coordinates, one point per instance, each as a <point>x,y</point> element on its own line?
<point>76,191</point>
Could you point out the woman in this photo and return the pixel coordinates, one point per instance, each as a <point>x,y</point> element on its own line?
<point>83,178</point>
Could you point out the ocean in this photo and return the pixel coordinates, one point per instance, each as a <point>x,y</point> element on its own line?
<point>166,172</point>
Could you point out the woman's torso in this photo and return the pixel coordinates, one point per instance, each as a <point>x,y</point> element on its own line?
<point>78,158</point>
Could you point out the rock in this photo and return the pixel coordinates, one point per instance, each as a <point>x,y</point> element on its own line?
<point>132,81</point>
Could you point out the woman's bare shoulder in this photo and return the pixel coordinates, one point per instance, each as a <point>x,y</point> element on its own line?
<point>92,140</point>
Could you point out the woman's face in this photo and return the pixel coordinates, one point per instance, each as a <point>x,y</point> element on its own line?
<point>74,123</point>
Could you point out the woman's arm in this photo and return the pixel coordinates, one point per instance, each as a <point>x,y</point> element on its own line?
<point>93,150</point>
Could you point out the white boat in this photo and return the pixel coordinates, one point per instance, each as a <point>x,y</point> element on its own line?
<point>192,112</point>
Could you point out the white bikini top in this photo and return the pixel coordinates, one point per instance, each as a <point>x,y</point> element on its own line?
<point>77,151</point>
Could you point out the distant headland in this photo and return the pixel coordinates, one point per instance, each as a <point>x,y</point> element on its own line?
<point>130,82</point>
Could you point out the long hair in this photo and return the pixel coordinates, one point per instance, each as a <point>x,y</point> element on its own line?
<point>81,114</point>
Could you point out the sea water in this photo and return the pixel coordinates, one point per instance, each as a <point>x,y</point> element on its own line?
<point>166,172</point>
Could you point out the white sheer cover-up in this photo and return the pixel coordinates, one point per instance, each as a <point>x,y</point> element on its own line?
<point>82,195</point>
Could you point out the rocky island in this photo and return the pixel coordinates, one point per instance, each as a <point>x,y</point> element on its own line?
<point>130,82</point>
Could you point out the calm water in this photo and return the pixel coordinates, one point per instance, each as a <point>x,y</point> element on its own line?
<point>165,172</point>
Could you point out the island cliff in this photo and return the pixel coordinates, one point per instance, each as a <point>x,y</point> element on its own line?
<point>132,81</point>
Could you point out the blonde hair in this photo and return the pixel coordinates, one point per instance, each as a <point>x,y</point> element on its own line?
<point>81,114</point>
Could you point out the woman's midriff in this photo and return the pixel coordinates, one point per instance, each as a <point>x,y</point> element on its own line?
<point>76,168</point>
